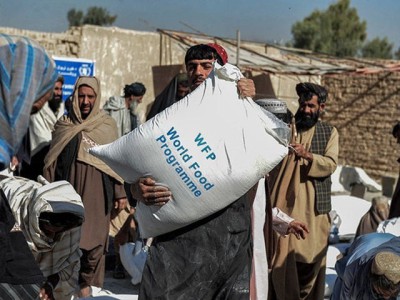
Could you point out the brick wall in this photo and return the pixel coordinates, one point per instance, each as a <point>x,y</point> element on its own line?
<point>364,109</point>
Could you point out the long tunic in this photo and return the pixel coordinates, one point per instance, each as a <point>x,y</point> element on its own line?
<point>88,182</point>
<point>69,159</point>
<point>298,270</point>
<point>209,259</point>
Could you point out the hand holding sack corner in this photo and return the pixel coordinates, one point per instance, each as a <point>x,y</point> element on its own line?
<point>209,149</point>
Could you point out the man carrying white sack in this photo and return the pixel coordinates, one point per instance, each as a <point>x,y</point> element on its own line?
<point>217,249</point>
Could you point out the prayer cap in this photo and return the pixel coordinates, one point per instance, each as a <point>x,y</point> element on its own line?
<point>274,106</point>
<point>387,264</point>
<point>221,51</point>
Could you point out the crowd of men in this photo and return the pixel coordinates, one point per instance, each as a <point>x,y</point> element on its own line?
<point>209,259</point>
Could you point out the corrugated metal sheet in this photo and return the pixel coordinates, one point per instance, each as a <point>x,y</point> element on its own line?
<point>285,60</point>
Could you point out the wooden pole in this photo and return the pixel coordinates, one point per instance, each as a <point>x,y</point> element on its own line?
<point>238,48</point>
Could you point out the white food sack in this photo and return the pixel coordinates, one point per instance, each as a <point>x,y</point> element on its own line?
<point>209,149</point>
<point>390,226</point>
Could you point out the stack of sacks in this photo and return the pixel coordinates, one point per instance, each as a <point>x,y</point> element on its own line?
<point>209,149</point>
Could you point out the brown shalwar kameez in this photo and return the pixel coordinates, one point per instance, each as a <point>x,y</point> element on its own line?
<point>88,183</point>
<point>69,159</point>
<point>298,268</point>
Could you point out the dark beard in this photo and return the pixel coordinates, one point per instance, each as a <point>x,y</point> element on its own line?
<point>55,104</point>
<point>304,121</point>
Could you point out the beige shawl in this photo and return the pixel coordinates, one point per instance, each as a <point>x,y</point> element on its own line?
<point>97,129</point>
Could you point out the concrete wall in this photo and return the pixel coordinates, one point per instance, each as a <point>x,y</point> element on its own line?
<point>121,57</point>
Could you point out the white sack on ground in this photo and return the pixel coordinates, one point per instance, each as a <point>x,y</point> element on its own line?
<point>345,176</point>
<point>350,210</point>
<point>209,148</point>
<point>390,226</point>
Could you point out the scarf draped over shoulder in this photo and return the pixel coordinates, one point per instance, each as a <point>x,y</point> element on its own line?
<point>97,129</point>
<point>27,74</point>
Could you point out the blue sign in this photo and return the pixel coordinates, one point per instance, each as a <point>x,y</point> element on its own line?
<point>71,69</point>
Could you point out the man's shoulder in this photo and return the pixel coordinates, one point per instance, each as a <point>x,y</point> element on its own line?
<point>105,127</point>
<point>325,127</point>
<point>105,117</point>
<point>324,124</point>
<point>114,103</point>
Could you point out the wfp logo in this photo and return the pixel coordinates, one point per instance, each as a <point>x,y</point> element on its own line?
<point>84,70</point>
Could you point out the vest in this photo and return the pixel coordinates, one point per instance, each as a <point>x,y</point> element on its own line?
<point>322,185</point>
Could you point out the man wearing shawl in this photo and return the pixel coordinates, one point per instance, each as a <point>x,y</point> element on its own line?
<point>69,159</point>
<point>27,77</point>
<point>302,190</point>
<point>123,109</point>
<point>56,250</point>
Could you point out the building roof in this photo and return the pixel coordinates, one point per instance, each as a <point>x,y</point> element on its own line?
<point>273,59</point>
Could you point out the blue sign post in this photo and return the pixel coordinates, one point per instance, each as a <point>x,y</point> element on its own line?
<point>71,69</point>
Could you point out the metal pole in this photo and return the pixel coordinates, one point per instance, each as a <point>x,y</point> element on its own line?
<point>238,48</point>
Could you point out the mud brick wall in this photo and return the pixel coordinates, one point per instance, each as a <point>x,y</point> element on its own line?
<point>56,44</point>
<point>364,109</point>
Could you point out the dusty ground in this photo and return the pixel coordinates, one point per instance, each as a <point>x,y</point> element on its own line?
<point>120,286</point>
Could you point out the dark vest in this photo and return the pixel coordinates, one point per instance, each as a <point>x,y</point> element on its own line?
<point>322,185</point>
